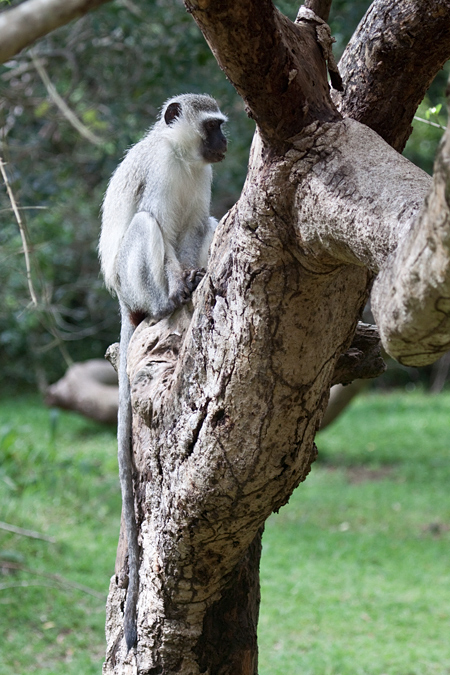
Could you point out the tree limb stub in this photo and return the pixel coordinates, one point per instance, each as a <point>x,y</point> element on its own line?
<point>275,65</point>
<point>325,40</point>
<point>390,62</point>
<point>21,26</point>
<point>363,359</point>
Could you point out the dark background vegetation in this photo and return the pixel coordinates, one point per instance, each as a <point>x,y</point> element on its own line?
<point>114,68</point>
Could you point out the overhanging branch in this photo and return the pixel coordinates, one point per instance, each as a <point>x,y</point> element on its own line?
<point>21,26</point>
<point>275,65</point>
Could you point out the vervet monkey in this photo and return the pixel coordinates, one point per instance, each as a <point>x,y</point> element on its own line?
<point>154,244</point>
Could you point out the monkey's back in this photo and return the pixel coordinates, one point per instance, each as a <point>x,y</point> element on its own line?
<point>158,176</point>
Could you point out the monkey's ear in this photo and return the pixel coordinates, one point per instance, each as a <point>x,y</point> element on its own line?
<point>172,113</point>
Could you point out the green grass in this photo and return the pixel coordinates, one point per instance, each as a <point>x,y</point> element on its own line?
<point>355,570</point>
<point>58,475</point>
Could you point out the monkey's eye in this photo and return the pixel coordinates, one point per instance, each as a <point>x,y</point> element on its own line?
<point>212,125</point>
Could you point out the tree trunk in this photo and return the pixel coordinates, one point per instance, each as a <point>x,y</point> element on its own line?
<point>228,643</point>
<point>227,400</point>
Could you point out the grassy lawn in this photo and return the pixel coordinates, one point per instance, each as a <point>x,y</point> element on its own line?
<point>355,570</point>
<point>58,475</point>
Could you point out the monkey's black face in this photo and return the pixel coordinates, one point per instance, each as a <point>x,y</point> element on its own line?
<point>214,142</point>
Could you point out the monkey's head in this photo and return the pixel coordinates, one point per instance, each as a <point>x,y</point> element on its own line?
<point>196,122</point>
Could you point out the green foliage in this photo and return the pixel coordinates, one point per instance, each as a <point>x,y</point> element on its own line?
<point>114,68</point>
<point>425,138</point>
<point>355,577</point>
<point>344,18</point>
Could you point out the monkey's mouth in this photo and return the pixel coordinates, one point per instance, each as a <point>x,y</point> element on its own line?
<point>213,156</point>
<point>219,156</point>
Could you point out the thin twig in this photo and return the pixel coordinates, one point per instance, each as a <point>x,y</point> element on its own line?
<point>22,231</point>
<point>51,324</point>
<point>26,208</point>
<point>55,577</point>
<point>132,7</point>
<point>62,105</point>
<point>25,533</point>
<point>27,584</point>
<point>432,124</point>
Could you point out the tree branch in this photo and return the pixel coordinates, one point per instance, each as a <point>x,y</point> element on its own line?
<point>26,533</point>
<point>360,197</point>
<point>319,7</point>
<point>62,105</point>
<point>390,62</point>
<point>21,26</point>
<point>23,232</point>
<point>411,296</point>
<point>275,65</point>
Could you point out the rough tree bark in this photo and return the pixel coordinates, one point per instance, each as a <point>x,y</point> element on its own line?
<point>227,400</point>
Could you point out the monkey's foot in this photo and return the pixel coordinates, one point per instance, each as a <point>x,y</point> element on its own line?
<point>189,281</point>
<point>192,278</point>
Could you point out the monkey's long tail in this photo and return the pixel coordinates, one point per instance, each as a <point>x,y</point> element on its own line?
<point>126,483</point>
